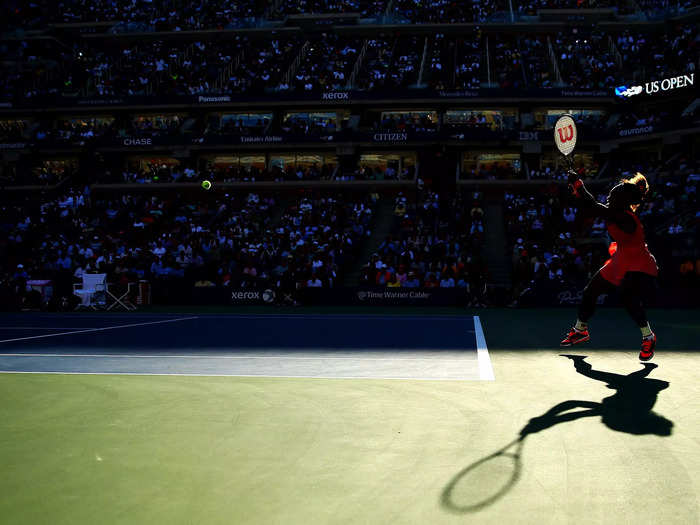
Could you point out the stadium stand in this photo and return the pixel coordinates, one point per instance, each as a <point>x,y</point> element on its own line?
<point>399,142</point>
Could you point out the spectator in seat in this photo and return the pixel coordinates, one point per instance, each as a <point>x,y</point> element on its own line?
<point>393,282</point>
<point>412,281</point>
<point>314,282</point>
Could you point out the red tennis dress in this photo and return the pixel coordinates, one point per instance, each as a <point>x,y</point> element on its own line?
<point>632,254</point>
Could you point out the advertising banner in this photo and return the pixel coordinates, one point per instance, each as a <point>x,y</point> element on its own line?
<point>324,97</point>
<point>232,296</point>
<point>378,296</point>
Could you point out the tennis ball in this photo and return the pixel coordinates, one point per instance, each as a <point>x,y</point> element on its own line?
<point>206,184</point>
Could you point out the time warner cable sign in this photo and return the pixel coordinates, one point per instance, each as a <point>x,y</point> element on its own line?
<point>656,86</point>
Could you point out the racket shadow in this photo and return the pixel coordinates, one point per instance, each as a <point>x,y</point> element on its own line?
<point>628,410</point>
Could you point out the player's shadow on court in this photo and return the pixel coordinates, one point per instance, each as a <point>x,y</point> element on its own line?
<point>629,410</point>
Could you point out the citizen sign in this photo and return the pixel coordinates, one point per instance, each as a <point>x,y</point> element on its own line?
<point>138,142</point>
<point>340,95</point>
<point>390,137</point>
<point>655,86</point>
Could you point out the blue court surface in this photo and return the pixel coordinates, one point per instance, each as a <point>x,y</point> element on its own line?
<point>320,346</point>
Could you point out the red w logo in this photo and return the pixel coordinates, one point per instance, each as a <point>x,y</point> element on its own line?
<point>567,135</point>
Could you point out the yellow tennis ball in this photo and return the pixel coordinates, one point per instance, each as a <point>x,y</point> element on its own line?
<point>206,184</point>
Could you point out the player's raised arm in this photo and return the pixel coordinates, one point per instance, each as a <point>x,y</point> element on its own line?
<point>613,211</point>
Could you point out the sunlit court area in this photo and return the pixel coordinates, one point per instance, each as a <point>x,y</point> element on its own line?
<point>349,262</point>
<point>344,417</point>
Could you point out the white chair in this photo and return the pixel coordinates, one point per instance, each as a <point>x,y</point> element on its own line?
<point>92,291</point>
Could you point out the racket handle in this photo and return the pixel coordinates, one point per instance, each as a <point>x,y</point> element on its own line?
<point>575,186</point>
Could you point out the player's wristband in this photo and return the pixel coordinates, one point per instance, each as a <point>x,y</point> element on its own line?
<point>578,183</point>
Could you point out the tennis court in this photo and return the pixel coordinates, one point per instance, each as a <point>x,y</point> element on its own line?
<point>313,346</point>
<point>341,417</point>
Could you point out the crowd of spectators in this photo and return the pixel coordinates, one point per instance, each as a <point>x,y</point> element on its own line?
<point>536,61</point>
<point>508,72</point>
<point>491,120</point>
<point>532,7</point>
<point>261,66</point>
<point>130,16</point>
<point>253,240</point>
<point>436,243</point>
<point>653,56</point>
<point>391,63</point>
<point>326,65</point>
<point>388,171</point>
<point>642,118</point>
<point>447,11</point>
<point>41,175</point>
<point>656,9</point>
<point>491,171</point>
<point>550,262</point>
<point>468,62</point>
<point>548,172</point>
<point>416,122</point>
<point>521,62</point>
<point>585,60</point>
<point>237,126</point>
<point>160,67</point>
<point>78,132</point>
<point>13,130</point>
<point>303,125</point>
<point>556,247</point>
<point>180,241</point>
<point>366,8</point>
<point>244,64</point>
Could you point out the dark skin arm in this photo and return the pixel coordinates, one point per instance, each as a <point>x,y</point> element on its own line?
<point>619,217</point>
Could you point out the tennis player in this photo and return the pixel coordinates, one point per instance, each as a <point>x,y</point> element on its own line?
<point>632,268</point>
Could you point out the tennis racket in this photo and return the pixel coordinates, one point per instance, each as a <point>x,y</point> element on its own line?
<point>565,136</point>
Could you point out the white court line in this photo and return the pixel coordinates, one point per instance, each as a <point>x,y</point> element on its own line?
<point>482,353</point>
<point>262,376</point>
<point>97,329</point>
<point>45,328</point>
<point>345,317</point>
<point>358,357</point>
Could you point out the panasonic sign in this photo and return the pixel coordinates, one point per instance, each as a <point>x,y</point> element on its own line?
<point>656,86</point>
<point>210,100</point>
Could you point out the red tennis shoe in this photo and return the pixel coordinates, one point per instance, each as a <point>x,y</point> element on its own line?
<point>648,346</point>
<point>575,337</point>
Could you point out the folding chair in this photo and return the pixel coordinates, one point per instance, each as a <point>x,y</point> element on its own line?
<point>92,291</point>
<point>121,300</point>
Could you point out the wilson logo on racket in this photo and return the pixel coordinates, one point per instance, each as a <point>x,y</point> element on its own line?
<point>567,135</point>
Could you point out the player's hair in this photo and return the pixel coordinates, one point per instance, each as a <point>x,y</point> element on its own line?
<point>640,181</point>
<point>629,193</point>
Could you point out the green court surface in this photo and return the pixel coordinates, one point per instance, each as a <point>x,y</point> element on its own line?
<point>180,449</point>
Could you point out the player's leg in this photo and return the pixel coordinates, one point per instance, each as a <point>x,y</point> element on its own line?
<point>596,287</point>
<point>636,287</point>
